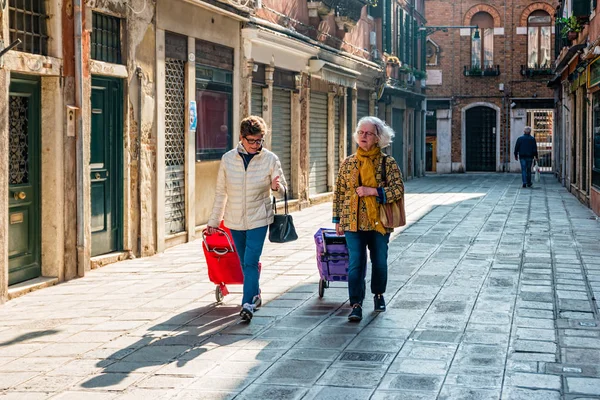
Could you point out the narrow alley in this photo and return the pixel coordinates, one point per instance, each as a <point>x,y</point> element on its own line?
<point>491,295</point>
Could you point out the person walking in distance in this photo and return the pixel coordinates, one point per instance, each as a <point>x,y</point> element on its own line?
<point>246,177</point>
<point>526,152</point>
<point>358,192</point>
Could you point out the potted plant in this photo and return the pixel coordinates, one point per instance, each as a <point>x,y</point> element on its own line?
<point>570,27</point>
<point>420,75</point>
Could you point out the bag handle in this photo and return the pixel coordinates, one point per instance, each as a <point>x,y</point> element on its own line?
<point>384,172</point>
<point>285,200</point>
<point>217,250</point>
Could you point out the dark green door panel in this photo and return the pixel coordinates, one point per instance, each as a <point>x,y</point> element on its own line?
<point>106,165</point>
<point>23,181</point>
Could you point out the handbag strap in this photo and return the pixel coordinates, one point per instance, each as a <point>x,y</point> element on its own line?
<point>383,172</point>
<point>285,202</point>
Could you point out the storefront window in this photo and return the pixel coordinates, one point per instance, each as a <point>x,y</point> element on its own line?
<point>596,132</point>
<point>214,102</point>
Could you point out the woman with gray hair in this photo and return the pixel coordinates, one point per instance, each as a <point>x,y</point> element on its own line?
<point>359,191</point>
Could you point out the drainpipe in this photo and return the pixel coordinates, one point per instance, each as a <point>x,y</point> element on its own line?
<point>82,223</point>
<point>140,75</point>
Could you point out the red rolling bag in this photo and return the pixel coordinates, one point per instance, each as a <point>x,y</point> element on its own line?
<point>222,260</point>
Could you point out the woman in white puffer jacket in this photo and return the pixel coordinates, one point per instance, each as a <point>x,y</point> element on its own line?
<point>247,175</point>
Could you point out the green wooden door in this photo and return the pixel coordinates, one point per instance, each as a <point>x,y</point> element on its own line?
<point>23,181</point>
<point>106,165</point>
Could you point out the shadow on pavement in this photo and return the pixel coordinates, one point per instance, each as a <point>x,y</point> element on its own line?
<point>29,336</point>
<point>178,347</point>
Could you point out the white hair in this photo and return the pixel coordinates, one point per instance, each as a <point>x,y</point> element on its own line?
<point>527,129</point>
<point>384,132</point>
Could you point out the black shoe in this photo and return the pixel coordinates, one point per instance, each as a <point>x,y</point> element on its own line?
<point>379,303</point>
<point>356,313</point>
<point>529,184</point>
<point>524,185</point>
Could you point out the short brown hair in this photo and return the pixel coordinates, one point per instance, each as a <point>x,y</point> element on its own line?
<point>253,125</point>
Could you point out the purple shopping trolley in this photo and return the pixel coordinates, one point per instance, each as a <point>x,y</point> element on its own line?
<point>332,258</point>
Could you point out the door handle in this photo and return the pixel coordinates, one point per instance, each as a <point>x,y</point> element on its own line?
<point>20,195</point>
<point>97,175</point>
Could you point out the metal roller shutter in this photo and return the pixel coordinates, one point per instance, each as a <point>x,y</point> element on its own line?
<point>281,141</point>
<point>317,177</point>
<point>336,141</point>
<point>256,101</point>
<point>362,109</point>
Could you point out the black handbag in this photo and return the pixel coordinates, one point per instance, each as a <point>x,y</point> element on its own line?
<point>282,229</point>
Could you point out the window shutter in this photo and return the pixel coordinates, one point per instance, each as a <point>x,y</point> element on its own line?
<point>423,40</point>
<point>387,26</point>
<point>581,8</point>
<point>398,32</point>
<point>407,40</point>
<point>415,43</point>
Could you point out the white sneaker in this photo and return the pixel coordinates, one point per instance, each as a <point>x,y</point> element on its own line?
<point>247,311</point>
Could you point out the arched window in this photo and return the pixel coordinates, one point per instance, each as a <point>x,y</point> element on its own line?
<point>482,47</point>
<point>539,40</point>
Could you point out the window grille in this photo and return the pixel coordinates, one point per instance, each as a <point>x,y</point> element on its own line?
<point>27,21</point>
<point>106,38</point>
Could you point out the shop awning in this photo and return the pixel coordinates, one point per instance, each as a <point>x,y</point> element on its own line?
<point>567,57</point>
<point>333,73</point>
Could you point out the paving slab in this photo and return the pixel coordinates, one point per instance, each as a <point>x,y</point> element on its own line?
<point>489,297</point>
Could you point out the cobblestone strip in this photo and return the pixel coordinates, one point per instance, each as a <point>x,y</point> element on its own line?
<point>575,241</point>
<point>438,318</point>
<point>533,336</point>
<point>330,366</point>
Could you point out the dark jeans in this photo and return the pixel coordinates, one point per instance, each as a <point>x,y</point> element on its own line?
<point>249,245</point>
<point>358,242</point>
<point>526,170</point>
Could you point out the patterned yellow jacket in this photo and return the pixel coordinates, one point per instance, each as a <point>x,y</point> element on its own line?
<point>351,213</point>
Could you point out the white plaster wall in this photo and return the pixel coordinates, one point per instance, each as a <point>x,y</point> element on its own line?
<point>199,23</point>
<point>444,141</point>
<point>518,119</point>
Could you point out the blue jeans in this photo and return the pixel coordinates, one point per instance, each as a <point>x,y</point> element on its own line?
<point>358,242</point>
<point>249,245</point>
<point>526,170</point>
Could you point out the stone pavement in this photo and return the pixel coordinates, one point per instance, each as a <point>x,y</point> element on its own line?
<point>492,295</point>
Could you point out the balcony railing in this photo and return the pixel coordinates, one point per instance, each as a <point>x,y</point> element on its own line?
<point>346,8</point>
<point>537,71</point>
<point>476,71</point>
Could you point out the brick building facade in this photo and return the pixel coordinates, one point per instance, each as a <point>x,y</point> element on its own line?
<point>486,84</point>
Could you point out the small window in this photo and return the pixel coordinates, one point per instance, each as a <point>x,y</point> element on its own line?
<point>27,20</point>
<point>106,38</point>
<point>539,40</point>
<point>482,41</point>
<point>214,99</point>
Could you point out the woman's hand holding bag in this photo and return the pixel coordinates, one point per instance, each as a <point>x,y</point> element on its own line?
<point>282,229</point>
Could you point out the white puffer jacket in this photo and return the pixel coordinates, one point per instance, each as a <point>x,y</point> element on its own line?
<point>243,197</point>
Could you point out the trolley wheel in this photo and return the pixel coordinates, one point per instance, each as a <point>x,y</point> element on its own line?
<point>219,294</point>
<point>322,285</point>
